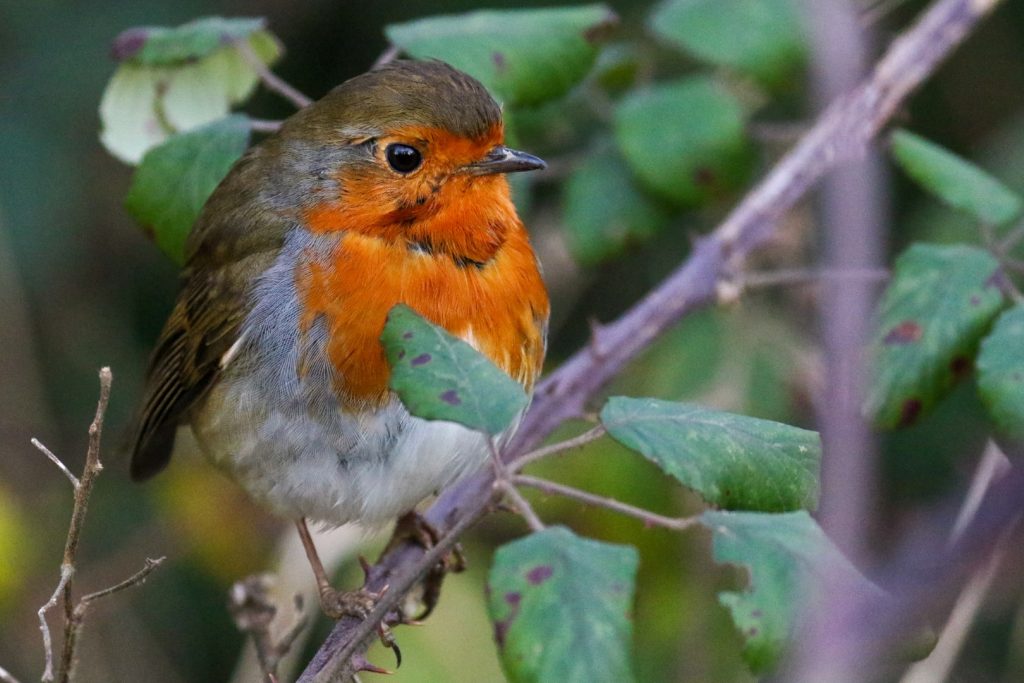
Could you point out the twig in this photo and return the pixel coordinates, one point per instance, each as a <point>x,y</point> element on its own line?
<point>272,81</point>
<point>646,516</point>
<point>522,506</point>
<point>56,461</point>
<point>389,55</point>
<point>83,491</point>
<point>842,133</point>
<point>253,612</point>
<point>264,125</point>
<point>74,630</point>
<point>65,576</point>
<point>7,677</point>
<point>936,667</point>
<point>575,442</point>
<point>799,276</point>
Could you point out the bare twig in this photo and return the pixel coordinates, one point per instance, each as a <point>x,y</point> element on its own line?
<point>389,55</point>
<point>56,461</point>
<point>272,81</point>
<point>522,506</point>
<point>575,442</point>
<point>65,576</point>
<point>801,276</point>
<point>264,125</point>
<point>253,612</point>
<point>74,630</point>
<point>842,133</point>
<point>7,677</point>
<point>646,516</point>
<point>937,666</point>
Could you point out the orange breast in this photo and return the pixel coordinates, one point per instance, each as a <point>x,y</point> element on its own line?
<point>501,306</point>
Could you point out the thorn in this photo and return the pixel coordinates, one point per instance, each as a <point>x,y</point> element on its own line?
<point>362,664</point>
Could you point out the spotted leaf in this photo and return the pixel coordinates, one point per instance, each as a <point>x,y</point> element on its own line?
<point>788,557</point>
<point>732,461</point>
<point>687,164</point>
<point>561,606</point>
<point>939,303</point>
<point>440,377</point>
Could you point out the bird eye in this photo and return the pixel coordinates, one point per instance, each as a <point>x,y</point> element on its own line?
<point>403,158</point>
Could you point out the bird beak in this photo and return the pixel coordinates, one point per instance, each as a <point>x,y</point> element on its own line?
<point>501,159</point>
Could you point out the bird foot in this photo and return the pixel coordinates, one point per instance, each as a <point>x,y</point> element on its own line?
<point>359,603</point>
<point>414,527</point>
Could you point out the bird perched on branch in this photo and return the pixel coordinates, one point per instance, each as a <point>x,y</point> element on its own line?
<point>389,190</point>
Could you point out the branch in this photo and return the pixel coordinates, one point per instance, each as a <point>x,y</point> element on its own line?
<point>7,677</point>
<point>842,133</point>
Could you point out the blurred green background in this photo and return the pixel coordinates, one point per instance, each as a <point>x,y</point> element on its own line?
<point>81,287</point>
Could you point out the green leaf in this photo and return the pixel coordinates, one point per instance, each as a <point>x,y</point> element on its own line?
<point>761,38</point>
<point>174,80</point>
<point>732,461</point>
<point>788,558</point>
<point>160,46</point>
<point>604,211</point>
<point>523,56</point>
<point>175,179</point>
<point>684,140</point>
<point>440,377</point>
<point>954,180</point>
<point>561,608</point>
<point>939,303</point>
<point>1001,373</point>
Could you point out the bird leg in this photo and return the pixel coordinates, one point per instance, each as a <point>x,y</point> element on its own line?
<point>337,604</point>
<point>414,527</point>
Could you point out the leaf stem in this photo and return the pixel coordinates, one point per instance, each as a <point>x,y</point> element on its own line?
<point>583,439</point>
<point>647,517</point>
<point>272,81</point>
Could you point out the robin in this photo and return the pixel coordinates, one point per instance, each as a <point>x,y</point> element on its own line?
<point>391,189</point>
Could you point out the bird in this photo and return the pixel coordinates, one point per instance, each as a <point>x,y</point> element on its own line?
<point>389,190</point>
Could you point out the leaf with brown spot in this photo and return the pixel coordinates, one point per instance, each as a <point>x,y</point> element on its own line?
<point>1000,371</point>
<point>440,377</point>
<point>560,606</point>
<point>933,313</point>
<point>788,558</point>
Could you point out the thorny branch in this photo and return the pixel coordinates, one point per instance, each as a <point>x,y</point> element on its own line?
<point>844,132</point>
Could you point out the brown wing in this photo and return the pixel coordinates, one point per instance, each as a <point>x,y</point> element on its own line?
<point>232,242</point>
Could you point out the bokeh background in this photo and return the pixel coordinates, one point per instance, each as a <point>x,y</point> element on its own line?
<point>81,287</point>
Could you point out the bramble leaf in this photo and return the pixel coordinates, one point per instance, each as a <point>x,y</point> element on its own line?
<point>732,461</point>
<point>1001,374</point>
<point>561,607</point>
<point>524,57</point>
<point>440,377</point>
<point>954,180</point>
<point>604,209</point>
<point>690,163</point>
<point>788,558</point>
<point>174,180</point>
<point>939,302</point>
<point>171,80</point>
<point>760,38</point>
